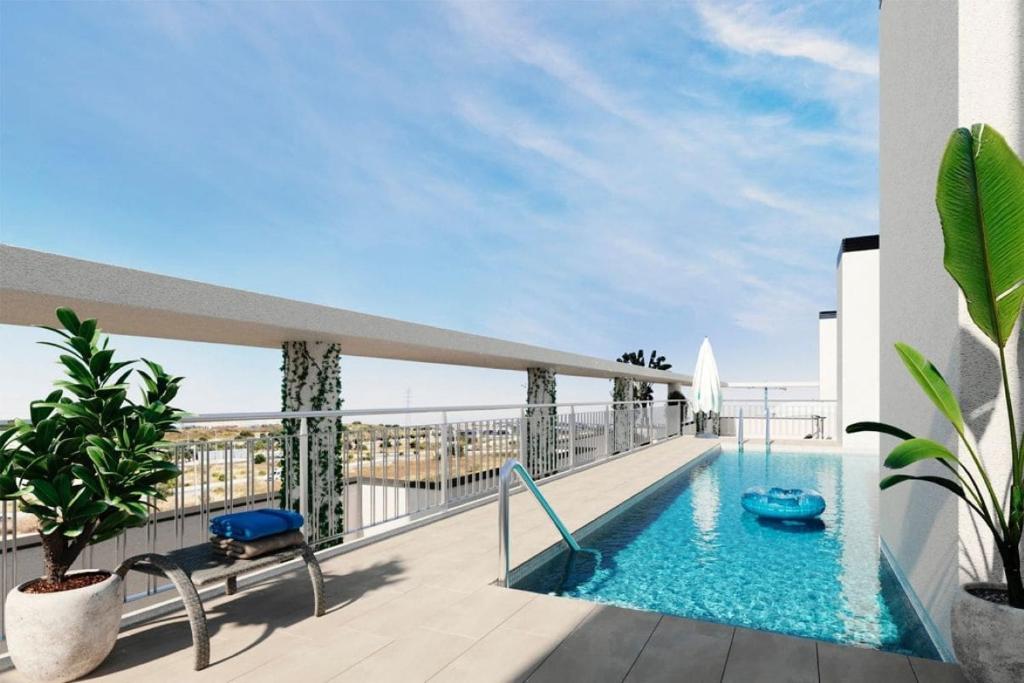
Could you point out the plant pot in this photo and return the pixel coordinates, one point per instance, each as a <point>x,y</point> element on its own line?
<point>62,636</point>
<point>988,638</point>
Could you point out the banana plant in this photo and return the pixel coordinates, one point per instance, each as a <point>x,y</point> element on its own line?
<point>980,199</point>
<point>89,462</point>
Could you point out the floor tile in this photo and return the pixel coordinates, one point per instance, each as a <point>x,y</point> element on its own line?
<point>503,655</point>
<point>602,648</point>
<point>683,649</point>
<point>548,615</point>
<point>479,612</point>
<point>930,671</point>
<point>843,664</point>
<point>760,656</point>
<point>414,657</point>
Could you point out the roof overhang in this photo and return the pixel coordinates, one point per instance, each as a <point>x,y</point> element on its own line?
<point>126,301</point>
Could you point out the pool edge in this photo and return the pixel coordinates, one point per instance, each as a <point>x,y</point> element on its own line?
<point>938,640</point>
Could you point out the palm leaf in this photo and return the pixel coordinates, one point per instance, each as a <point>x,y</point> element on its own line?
<point>933,383</point>
<point>980,197</point>
<point>915,450</point>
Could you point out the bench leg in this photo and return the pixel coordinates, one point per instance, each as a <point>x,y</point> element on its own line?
<point>317,578</point>
<point>189,596</point>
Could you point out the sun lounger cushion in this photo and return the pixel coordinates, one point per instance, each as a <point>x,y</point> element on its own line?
<point>254,524</point>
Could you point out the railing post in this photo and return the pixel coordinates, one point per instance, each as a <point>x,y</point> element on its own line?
<point>608,437</point>
<point>632,433</point>
<point>739,431</point>
<point>767,423</point>
<point>572,437</point>
<point>445,472</point>
<point>304,475</point>
<point>522,436</point>
<point>503,530</point>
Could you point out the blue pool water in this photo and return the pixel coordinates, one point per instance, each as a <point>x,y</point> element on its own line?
<point>689,549</point>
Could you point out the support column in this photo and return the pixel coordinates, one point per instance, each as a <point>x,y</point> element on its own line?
<point>675,412</point>
<point>541,423</point>
<point>311,380</point>
<point>622,390</point>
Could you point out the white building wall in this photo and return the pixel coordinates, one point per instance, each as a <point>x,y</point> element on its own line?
<point>943,65</point>
<point>857,348</point>
<point>828,368</point>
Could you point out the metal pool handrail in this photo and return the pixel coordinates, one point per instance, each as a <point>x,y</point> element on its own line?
<point>513,466</point>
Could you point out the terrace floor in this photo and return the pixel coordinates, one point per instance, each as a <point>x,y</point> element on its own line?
<point>421,606</point>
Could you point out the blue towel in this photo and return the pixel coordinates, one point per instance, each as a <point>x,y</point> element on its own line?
<point>249,526</point>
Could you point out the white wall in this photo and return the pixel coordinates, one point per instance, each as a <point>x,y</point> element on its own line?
<point>828,368</point>
<point>857,348</point>
<point>943,65</point>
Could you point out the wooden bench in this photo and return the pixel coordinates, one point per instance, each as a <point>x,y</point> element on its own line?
<point>198,565</point>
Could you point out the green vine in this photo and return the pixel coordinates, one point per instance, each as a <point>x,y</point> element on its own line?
<point>541,423</point>
<point>311,380</point>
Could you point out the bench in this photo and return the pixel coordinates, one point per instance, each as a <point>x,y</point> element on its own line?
<point>199,565</point>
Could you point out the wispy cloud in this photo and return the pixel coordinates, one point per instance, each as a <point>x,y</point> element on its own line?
<point>491,167</point>
<point>748,29</point>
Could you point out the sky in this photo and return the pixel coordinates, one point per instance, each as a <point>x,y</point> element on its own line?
<point>593,177</point>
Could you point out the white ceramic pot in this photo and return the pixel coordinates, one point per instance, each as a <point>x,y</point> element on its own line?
<point>62,636</point>
<point>988,638</point>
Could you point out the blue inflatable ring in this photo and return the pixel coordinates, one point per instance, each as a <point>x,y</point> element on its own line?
<point>777,503</point>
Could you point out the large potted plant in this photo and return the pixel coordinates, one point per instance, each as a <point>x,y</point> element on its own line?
<point>88,464</point>
<point>980,198</point>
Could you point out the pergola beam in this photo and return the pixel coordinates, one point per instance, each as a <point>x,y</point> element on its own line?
<point>134,302</point>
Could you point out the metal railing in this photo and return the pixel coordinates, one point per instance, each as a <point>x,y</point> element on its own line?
<point>783,419</point>
<point>514,467</point>
<point>350,472</point>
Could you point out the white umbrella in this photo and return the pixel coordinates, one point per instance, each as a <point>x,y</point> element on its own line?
<point>707,388</point>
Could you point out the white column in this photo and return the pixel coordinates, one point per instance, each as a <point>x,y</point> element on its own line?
<point>943,65</point>
<point>857,337</point>
<point>828,366</point>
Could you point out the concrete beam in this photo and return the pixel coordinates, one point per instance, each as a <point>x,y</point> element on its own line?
<point>126,301</point>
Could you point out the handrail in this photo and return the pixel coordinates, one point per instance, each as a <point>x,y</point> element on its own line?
<point>513,466</point>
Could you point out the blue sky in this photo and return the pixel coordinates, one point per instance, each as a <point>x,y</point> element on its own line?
<point>589,176</point>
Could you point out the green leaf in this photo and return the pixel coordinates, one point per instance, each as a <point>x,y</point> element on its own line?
<point>917,449</point>
<point>99,364</point>
<point>87,330</point>
<point>68,319</point>
<point>45,492</point>
<point>933,384</point>
<point>980,197</point>
<point>938,481</point>
<point>880,427</point>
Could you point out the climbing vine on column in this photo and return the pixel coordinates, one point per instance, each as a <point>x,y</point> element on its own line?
<point>622,390</point>
<point>311,380</point>
<point>541,423</point>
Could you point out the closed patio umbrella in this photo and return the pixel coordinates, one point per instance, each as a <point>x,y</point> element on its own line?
<point>707,388</point>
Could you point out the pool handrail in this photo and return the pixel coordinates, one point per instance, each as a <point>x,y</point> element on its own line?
<point>510,467</point>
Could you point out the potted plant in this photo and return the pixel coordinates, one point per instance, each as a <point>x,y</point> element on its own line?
<point>88,464</point>
<point>980,198</point>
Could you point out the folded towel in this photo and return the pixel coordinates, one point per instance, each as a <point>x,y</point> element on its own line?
<point>255,524</point>
<point>247,550</point>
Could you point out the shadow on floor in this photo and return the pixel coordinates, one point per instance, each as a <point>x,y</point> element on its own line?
<point>275,603</point>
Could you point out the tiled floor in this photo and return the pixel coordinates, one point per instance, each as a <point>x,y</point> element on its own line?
<point>420,606</point>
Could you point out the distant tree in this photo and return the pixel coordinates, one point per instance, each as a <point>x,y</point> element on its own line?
<point>643,391</point>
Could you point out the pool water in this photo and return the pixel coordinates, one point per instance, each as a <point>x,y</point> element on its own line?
<point>689,549</point>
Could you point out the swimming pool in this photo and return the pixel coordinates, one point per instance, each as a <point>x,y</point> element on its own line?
<point>688,548</point>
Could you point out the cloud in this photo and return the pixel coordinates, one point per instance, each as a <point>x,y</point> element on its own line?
<point>746,29</point>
